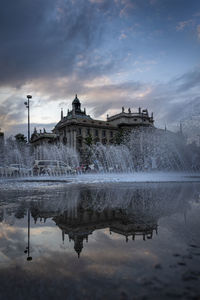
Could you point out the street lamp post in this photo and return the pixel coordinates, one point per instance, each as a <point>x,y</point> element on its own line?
<point>28,106</point>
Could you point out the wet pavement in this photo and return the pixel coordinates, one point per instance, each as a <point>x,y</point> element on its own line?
<point>62,240</point>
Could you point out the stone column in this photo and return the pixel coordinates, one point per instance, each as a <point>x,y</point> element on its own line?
<point>74,138</point>
<point>68,138</point>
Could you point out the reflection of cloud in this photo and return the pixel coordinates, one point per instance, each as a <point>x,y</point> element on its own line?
<point>11,242</point>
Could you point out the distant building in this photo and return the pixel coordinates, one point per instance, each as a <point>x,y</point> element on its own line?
<point>77,129</point>
<point>1,147</point>
<point>1,138</point>
<point>43,138</point>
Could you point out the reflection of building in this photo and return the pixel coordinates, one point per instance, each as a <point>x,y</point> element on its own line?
<point>84,222</point>
<point>118,221</point>
<point>77,129</point>
<point>79,211</point>
<point>129,212</point>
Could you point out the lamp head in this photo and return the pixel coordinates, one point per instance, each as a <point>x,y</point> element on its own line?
<point>29,258</point>
<point>29,96</point>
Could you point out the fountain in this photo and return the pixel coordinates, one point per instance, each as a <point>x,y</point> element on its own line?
<point>112,158</point>
<point>141,150</point>
<point>18,159</point>
<point>146,149</point>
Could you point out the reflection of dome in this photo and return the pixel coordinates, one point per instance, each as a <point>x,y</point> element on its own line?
<point>78,238</point>
<point>78,245</point>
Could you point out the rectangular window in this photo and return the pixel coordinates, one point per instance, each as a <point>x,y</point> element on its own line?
<point>96,132</point>
<point>111,134</point>
<point>88,131</point>
<point>103,133</point>
<point>79,131</point>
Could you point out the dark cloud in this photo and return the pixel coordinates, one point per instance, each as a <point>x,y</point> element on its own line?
<point>56,38</point>
<point>44,39</point>
<point>56,48</point>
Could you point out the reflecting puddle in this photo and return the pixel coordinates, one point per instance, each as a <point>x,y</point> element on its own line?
<point>105,241</point>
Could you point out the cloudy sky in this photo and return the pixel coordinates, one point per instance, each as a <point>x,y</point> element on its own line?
<point>112,53</point>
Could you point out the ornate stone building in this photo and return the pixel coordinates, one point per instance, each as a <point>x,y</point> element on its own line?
<point>77,129</point>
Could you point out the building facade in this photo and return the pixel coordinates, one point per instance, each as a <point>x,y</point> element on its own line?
<point>77,130</point>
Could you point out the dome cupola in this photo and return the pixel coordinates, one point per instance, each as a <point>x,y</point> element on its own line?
<point>76,105</point>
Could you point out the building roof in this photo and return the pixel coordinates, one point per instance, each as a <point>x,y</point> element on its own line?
<point>43,135</point>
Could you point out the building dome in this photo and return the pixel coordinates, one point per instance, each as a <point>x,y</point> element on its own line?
<point>76,105</point>
<point>76,100</point>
